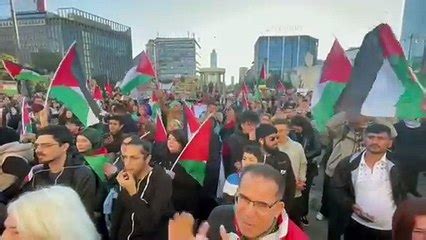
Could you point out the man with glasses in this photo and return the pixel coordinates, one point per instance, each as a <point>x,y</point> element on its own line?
<point>267,137</point>
<point>259,212</point>
<point>144,203</point>
<point>62,165</point>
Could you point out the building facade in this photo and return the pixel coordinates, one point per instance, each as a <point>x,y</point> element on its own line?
<point>104,46</point>
<point>281,54</point>
<point>174,57</point>
<point>413,31</point>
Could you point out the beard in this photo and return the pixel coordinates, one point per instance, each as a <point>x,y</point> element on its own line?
<point>270,150</point>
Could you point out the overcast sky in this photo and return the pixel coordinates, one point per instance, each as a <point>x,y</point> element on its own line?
<point>232,26</point>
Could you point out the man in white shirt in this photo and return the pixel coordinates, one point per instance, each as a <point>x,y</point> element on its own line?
<point>296,153</point>
<point>367,185</point>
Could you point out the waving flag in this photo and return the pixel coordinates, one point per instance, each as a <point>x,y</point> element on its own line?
<point>139,75</point>
<point>196,153</point>
<point>336,73</point>
<point>69,87</point>
<point>19,72</point>
<point>160,130</point>
<point>190,121</point>
<point>381,83</point>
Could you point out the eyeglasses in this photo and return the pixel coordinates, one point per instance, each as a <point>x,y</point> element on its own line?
<point>44,145</point>
<point>260,207</point>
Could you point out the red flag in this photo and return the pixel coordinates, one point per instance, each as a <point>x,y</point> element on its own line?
<point>281,88</point>
<point>97,93</point>
<point>145,67</point>
<point>108,89</point>
<point>160,130</point>
<point>191,121</point>
<point>263,73</point>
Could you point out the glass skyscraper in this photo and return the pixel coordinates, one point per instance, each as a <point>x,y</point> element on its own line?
<point>281,54</point>
<point>413,32</point>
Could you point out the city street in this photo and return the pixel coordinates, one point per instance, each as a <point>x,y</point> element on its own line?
<point>318,229</point>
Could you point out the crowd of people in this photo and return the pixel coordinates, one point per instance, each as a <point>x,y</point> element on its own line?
<point>113,180</point>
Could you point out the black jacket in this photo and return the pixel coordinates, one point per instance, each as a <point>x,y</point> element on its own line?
<point>145,215</point>
<point>311,144</point>
<point>75,175</point>
<point>342,188</point>
<point>233,150</point>
<point>281,162</point>
<point>186,190</point>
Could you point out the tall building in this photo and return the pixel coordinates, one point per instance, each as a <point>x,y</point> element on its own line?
<point>104,46</point>
<point>213,59</point>
<point>174,57</point>
<point>242,73</point>
<point>212,78</point>
<point>280,54</point>
<point>413,32</point>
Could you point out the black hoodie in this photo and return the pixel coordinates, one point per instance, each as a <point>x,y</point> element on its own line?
<point>145,215</point>
<point>75,175</point>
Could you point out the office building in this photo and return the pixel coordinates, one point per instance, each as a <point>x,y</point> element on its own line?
<point>104,46</point>
<point>174,58</point>
<point>413,31</point>
<point>281,54</point>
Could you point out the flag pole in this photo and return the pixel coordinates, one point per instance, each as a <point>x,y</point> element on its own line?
<point>56,72</point>
<point>22,115</point>
<point>145,134</point>
<point>190,140</point>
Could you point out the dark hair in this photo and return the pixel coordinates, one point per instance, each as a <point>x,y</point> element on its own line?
<point>255,150</point>
<point>249,116</point>
<point>180,136</point>
<point>119,108</point>
<point>303,122</point>
<point>404,217</point>
<point>378,128</point>
<point>135,140</point>
<point>117,118</point>
<point>280,121</point>
<point>268,172</point>
<point>60,133</point>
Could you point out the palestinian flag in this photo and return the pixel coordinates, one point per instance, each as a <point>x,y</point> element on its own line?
<point>109,89</point>
<point>139,75</point>
<point>155,105</point>
<point>196,153</point>
<point>19,72</point>
<point>26,118</point>
<point>336,73</point>
<point>381,83</point>
<point>160,130</point>
<point>69,87</point>
<point>191,123</point>
<point>97,164</point>
<point>280,87</point>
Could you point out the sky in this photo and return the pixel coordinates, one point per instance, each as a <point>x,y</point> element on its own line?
<point>233,26</point>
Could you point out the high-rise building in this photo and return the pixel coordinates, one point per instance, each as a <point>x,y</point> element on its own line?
<point>413,32</point>
<point>104,46</point>
<point>242,73</point>
<point>213,59</point>
<point>174,57</point>
<point>280,54</point>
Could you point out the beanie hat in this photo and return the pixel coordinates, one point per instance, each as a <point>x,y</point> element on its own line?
<point>8,135</point>
<point>265,130</point>
<point>180,136</point>
<point>94,136</point>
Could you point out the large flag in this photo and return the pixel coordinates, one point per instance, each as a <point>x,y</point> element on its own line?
<point>381,83</point>
<point>191,123</point>
<point>139,75</point>
<point>69,87</point>
<point>19,72</point>
<point>336,73</point>
<point>160,130</point>
<point>26,118</point>
<point>196,153</point>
